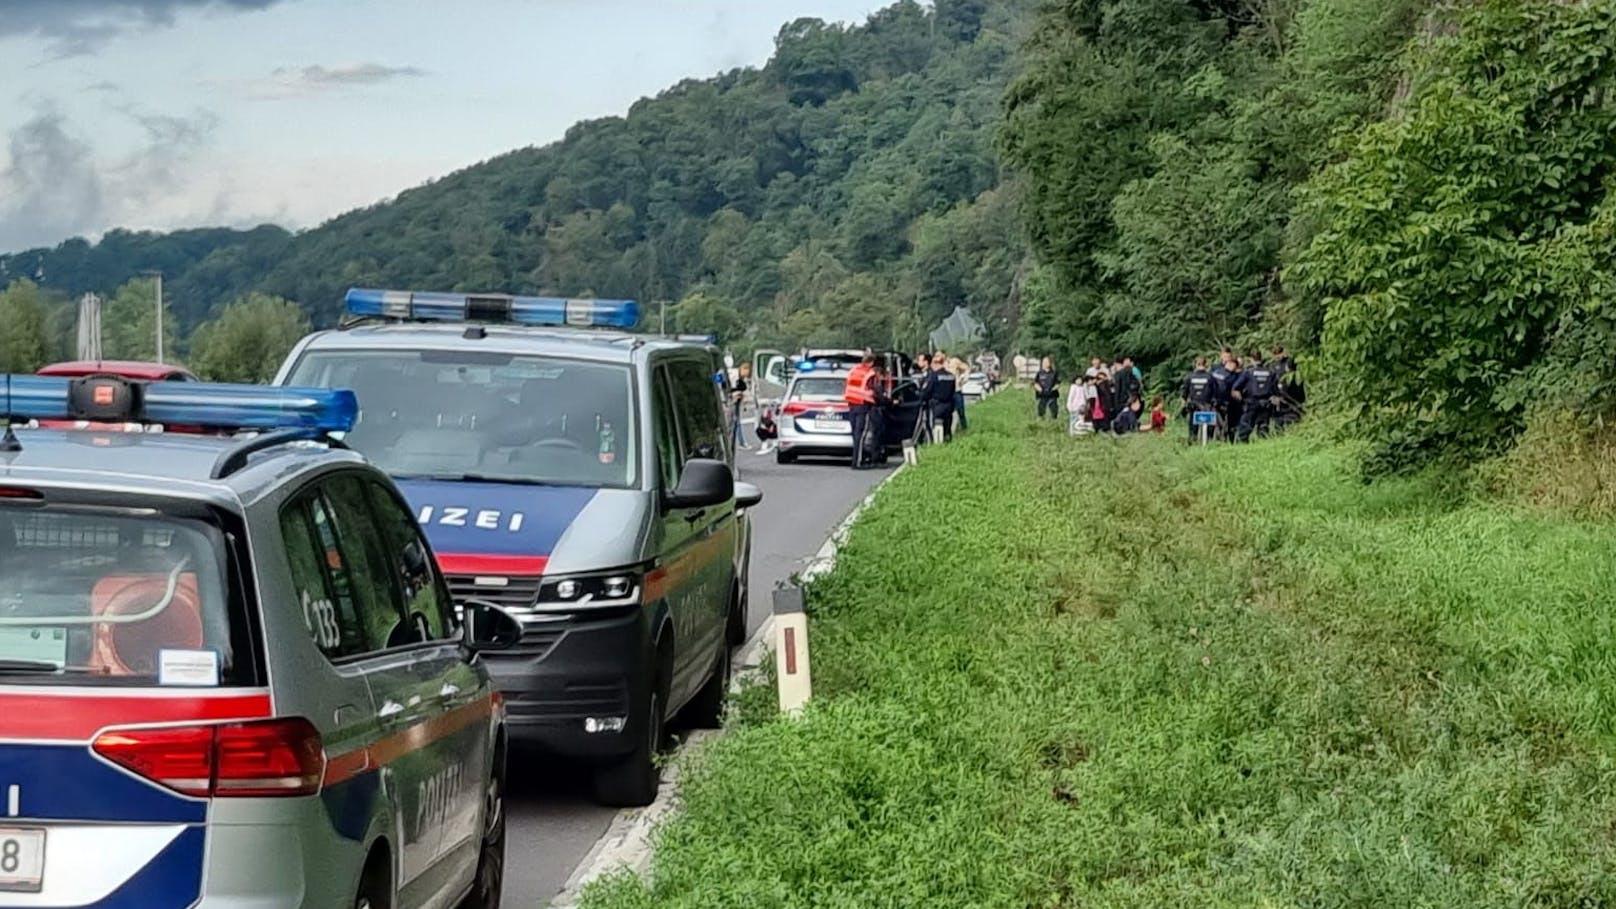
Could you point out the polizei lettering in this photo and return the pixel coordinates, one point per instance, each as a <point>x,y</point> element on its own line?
<point>435,796</point>
<point>484,519</point>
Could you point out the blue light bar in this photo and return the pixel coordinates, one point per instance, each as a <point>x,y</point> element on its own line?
<point>433,306</point>
<point>805,366</point>
<point>195,404</point>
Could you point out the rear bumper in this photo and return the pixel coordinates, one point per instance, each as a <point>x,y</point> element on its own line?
<point>796,441</point>
<point>594,670</point>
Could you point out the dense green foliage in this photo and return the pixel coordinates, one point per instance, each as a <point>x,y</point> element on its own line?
<point>846,192</point>
<point>1239,678</point>
<point>248,341</point>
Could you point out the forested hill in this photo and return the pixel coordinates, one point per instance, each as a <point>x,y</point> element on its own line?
<point>848,191</point>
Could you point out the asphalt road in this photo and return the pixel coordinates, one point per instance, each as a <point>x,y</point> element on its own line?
<point>552,822</point>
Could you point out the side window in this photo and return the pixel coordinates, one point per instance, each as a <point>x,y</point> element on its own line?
<point>670,458</point>
<point>320,576</point>
<point>701,422</point>
<point>362,540</point>
<point>426,598</point>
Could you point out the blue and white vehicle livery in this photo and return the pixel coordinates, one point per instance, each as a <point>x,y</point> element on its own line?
<point>577,474</point>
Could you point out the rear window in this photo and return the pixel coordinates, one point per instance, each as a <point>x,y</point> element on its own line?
<point>114,598</point>
<point>828,388</point>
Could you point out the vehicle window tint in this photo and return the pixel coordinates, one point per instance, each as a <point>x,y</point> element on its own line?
<point>701,421</point>
<point>324,590</point>
<point>669,458</point>
<point>363,542</point>
<point>426,598</point>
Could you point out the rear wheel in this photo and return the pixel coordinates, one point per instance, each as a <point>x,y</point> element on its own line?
<point>784,457</point>
<point>375,891</point>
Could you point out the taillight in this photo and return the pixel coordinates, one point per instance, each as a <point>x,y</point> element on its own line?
<point>260,759</point>
<point>798,408</point>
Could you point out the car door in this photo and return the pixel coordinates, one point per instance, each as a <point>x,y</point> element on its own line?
<point>678,532</point>
<point>465,695</point>
<point>708,562</point>
<point>407,679</point>
<point>903,414</point>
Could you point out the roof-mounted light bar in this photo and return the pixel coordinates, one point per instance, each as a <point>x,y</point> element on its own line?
<point>115,399</point>
<point>433,306</point>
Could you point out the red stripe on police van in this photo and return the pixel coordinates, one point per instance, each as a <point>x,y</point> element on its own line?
<point>467,563</point>
<point>343,767</point>
<point>72,716</point>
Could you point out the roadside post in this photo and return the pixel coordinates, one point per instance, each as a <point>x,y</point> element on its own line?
<point>1204,420</point>
<point>791,648</point>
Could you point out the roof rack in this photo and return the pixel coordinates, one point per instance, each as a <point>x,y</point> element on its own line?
<point>238,455</point>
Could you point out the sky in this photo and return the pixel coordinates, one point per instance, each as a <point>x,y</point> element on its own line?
<point>161,114</point>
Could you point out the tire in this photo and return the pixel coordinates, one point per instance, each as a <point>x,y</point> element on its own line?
<point>489,884</point>
<point>706,709</point>
<point>374,885</point>
<point>735,625</point>
<point>632,782</point>
<point>783,457</point>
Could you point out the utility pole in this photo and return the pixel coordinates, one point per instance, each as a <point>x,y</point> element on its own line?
<point>159,276</point>
<point>662,317</point>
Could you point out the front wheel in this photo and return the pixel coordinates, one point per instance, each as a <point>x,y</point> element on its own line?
<point>706,709</point>
<point>632,782</point>
<point>490,881</point>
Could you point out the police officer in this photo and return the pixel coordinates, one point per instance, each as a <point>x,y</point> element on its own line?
<point>1222,385</point>
<point>1200,394</point>
<point>859,393</point>
<point>1291,394</point>
<point>1255,389</point>
<point>939,396</point>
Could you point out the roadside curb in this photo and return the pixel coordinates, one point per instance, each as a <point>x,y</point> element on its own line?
<point>626,844</point>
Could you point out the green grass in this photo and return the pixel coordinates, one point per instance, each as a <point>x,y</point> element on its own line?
<point>1056,672</point>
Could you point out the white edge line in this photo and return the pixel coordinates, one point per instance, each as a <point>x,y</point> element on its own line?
<point>626,844</point>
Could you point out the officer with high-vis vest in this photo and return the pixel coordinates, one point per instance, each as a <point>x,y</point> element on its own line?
<point>860,395</point>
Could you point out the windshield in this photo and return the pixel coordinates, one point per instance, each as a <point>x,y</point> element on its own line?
<point>112,598</point>
<point>826,388</point>
<point>497,417</point>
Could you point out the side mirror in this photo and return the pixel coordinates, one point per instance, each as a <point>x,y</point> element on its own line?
<point>705,482</point>
<point>488,627</point>
<point>747,495</point>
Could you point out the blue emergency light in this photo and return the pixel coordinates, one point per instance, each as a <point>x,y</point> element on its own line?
<point>433,306</point>
<point>110,399</point>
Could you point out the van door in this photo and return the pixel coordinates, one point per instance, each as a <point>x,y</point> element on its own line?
<point>677,532</point>
<point>708,564</point>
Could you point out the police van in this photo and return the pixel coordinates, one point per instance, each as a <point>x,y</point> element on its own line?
<point>230,673</point>
<point>579,475</point>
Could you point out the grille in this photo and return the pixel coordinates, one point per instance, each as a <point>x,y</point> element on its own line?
<point>518,593</point>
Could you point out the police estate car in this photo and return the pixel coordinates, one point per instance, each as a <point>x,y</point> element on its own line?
<point>581,477</point>
<point>230,674</point>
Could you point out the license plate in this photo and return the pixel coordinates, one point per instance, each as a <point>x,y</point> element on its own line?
<point>22,859</point>
<point>829,424</point>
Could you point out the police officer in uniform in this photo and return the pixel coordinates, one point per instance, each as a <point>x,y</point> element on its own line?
<point>1200,394</point>
<point>1222,385</point>
<point>939,396</point>
<point>1291,394</point>
<point>1255,389</point>
<point>859,393</point>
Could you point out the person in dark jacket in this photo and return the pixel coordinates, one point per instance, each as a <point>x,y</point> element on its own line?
<point>1046,387</point>
<point>1292,394</point>
<point>1255,389</point>
<point>1200,394</point>
<point>940,397</point>
<point>1103,408</point>
<point>1127,380</point>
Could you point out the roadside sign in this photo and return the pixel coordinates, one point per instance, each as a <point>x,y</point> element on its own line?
<point>1205,418</point>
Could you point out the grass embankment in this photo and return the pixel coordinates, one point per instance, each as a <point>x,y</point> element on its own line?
<point>1096,672</point>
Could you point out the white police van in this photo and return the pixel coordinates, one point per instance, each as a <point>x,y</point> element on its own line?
<point>580,476</point>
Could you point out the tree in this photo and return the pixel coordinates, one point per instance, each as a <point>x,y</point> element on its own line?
<point>249,339</point>
<point>24,343</point>
<point>701,313</point>
<point>129,323</point>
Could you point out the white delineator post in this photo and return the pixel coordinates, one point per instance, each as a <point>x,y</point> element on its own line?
<point>791,649</point>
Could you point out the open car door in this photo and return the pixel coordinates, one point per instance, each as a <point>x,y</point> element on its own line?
<point>903,414</point>
<point>770,373</point>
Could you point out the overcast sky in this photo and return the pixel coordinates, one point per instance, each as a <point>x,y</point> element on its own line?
<point>178,113</point>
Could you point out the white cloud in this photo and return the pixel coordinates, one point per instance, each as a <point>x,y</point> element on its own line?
<point>291,82</point>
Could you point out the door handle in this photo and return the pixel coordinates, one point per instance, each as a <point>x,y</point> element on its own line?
<point>697,515</point>
<point>344,715</point>
<point>390,708</point>
<point>448,690</point>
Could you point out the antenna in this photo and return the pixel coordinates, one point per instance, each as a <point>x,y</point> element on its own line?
<point>9,442</point>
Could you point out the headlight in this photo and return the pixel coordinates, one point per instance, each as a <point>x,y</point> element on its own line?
<point>608,588</point>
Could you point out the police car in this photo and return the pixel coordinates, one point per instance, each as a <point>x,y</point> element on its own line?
<point>230,674</point>
<point>813,413</point>
<point>581,476</point>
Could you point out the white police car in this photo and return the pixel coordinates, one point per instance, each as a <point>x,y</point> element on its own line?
<point>230,673</point>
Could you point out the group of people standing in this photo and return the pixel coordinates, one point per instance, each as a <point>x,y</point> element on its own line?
<point>1250,396</point>
<point>868,393</point>
<point>1105,399</point>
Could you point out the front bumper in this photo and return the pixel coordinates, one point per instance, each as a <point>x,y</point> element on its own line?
<point>579,668</point>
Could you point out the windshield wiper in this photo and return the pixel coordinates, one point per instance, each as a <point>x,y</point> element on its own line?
<point>518,481</point>
<point>19,666</point>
